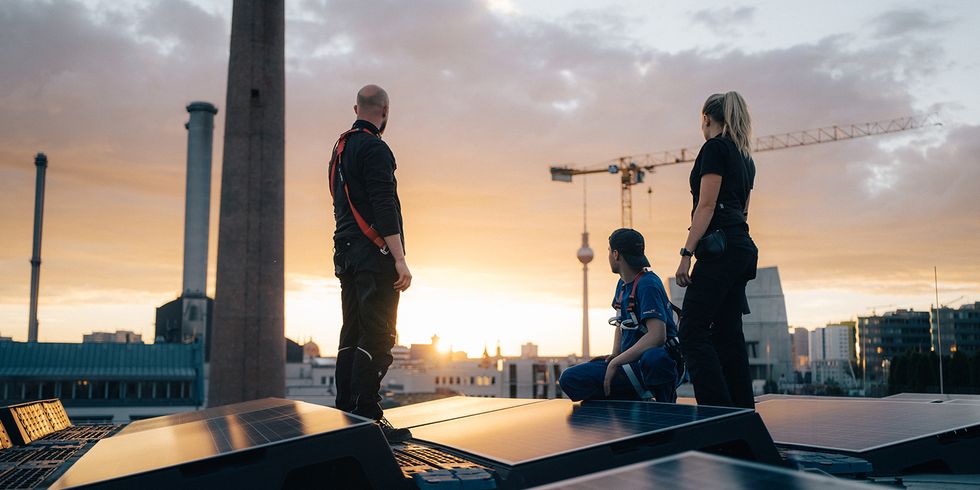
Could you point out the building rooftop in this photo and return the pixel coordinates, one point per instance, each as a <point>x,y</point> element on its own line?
<point>97,360</point>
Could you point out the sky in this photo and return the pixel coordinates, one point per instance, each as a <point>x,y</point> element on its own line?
<point>485,96</point>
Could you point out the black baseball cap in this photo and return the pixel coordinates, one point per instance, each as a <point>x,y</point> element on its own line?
<point>629,243</point>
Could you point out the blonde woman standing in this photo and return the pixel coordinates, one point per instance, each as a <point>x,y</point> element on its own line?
<point>711,322</point>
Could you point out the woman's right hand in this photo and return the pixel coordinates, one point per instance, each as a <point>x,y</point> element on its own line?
<point>683,274</point>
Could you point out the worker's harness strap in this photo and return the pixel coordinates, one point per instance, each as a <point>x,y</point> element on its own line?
<point>335,162</point>
<point>641,391</point>
<point>633,323</point>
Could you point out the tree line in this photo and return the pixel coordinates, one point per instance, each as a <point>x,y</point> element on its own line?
<point>918,372</point>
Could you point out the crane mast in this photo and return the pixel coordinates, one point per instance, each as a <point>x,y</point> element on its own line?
<point>633,168</point>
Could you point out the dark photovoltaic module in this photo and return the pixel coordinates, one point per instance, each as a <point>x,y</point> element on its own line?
<point>185,417</point>
<point>450,408</point>
<point>930,397</point>
<point>550,428</point>
<point>859,426</point>
<point>699,471</point>
<point>893,436</point>
<point>273,433</point>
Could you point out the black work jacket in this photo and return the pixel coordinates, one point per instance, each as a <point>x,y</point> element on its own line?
<point>368,168</point>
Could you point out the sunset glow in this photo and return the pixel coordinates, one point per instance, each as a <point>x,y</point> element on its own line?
<point>477,118</point>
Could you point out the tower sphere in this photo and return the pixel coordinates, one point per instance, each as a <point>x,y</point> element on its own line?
<point>585,255</point>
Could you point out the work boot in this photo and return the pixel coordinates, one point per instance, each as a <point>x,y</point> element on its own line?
<point>392,433</point>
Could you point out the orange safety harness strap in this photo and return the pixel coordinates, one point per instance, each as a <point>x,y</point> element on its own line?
<point>367,229</point>
<point>631,302</point>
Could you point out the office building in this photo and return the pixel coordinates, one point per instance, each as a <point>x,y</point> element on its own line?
<point>117,337</point>
<point>881,337</point>
<point>176,320</point>
<point>529,350</point>
<point>957,329</point>
<point>801,349</point>
<point>830,353</point>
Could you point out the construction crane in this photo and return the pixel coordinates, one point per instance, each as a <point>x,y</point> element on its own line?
<point>633,168</point>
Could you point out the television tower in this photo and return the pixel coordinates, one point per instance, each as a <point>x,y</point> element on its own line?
<point>585,256</point>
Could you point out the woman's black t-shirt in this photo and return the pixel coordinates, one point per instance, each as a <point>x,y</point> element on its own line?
<point>719,155</point>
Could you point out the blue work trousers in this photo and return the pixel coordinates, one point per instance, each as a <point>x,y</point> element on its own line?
<point>585,381</point>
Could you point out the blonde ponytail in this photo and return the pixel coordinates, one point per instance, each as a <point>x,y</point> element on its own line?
<point>732,112</point>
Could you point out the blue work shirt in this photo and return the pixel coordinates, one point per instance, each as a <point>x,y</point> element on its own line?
<point>651,302</point>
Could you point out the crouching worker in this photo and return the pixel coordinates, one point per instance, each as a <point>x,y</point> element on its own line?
<point>639,366</point>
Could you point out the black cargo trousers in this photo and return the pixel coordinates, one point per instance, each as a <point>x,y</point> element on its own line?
<point>370,306</point>
<point>710,327</point>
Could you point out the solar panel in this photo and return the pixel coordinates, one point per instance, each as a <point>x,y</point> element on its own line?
<point>541,430</point>
<point>81,434</point>
<point>930,397</point>
<point>450,408</point>
<point>29,477</point>
<point>26,422</point>
<point>894,436</point>
<point>860,426</point>
<point>699,471</point>
<point>56,414</point>
<point>184,417</point>
<point>958,401</point>
<point>5,441</point>
<point>778,396</point>
<point>221,431</point>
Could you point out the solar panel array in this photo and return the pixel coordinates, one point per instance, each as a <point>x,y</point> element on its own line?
<point>57,415</point>
<point>204,434</point>
<point>700,471</point>
<point>27,477</point>
<point>541,430</point>
<point>32,420</point>
<point>450,408</point>
<point>82,433</point>
<point>5,441</point>
<point>37,439</point>
<point>859,426</point>
<point>27,422</point>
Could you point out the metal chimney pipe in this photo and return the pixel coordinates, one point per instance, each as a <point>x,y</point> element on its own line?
<point>41,161</point>
<point>200,134</point>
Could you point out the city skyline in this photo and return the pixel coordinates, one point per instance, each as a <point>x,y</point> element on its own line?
<point>490,239</point>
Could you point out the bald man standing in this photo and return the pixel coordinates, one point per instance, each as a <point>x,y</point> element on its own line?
<point>369,257</point>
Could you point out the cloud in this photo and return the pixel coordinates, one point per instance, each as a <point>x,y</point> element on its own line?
<point>724,20</point>
<point>906,22</point>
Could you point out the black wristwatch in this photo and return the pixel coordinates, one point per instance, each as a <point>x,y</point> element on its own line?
<point>686,253</point>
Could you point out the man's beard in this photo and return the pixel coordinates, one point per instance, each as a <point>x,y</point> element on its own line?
<point>384,123</point>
